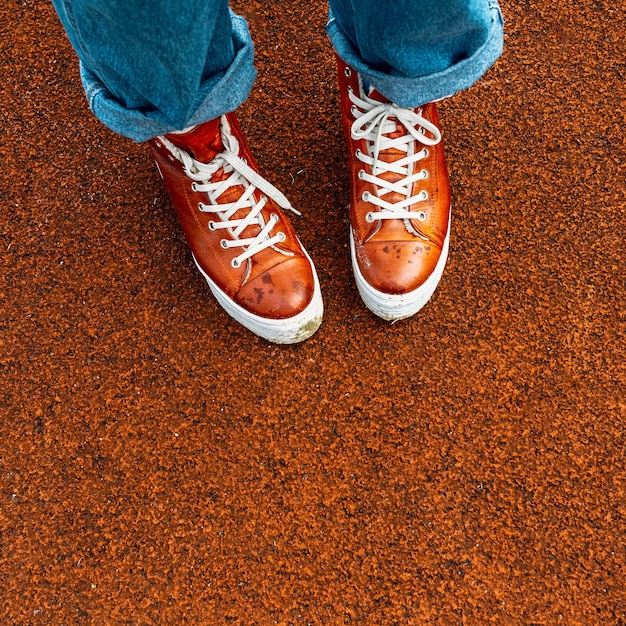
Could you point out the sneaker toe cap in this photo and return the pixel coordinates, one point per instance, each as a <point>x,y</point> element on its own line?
<point>397,267</point>
<point>280,292</point>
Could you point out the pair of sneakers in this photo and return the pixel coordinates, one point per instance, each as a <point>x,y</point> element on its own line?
<point>247,250</point>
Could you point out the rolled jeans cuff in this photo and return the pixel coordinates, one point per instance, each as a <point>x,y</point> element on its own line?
<point>220,94</point>
<point>410,92</point>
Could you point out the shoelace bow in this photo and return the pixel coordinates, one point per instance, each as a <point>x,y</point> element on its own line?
<point>374,121</point>
<point>241,174</point>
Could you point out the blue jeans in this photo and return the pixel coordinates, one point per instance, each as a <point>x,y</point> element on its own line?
<point>153,67</point>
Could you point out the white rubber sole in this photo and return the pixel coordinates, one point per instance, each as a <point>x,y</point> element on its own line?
<point>392,307</point>
<point>285,331</point>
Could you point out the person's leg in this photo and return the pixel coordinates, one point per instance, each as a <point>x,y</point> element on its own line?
<point>417,51</point>
<point>394,60</point>
<point>172,72</point>
<point>152,67</point>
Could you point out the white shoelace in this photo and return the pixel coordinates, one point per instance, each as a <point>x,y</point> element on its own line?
<point>374,121</point>
<point>241,174</point>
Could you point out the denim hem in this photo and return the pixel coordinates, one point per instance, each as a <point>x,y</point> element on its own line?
<point>413,92</point>
<point>220,94</point>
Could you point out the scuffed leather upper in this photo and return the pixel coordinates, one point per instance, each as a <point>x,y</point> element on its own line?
<point>276,282</point>
<point>395,256</point>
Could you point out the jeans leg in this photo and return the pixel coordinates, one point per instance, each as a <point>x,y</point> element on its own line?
<point>417,51</point>
<point>153,67</point>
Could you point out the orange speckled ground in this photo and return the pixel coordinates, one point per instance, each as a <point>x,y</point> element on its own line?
<point>160,465</point>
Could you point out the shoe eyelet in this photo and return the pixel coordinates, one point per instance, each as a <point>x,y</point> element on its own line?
<point>425,174</point>
<point>358,153</point>
<point>235,263</point>
<point>426,153</point>
<point>194,187</point>
<point>211,225</point>
<point>354,111</point>
<point>361,174</point>
<point>424,194</point>
<point>348,72</point>
<point>421,216</point>
<point>224,244</point>
<point>365,196</point>
<point>369,217</point>
<point>281,237</point>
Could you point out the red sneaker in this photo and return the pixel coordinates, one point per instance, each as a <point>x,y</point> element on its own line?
<point>241,241</point>
<point>400,199</point>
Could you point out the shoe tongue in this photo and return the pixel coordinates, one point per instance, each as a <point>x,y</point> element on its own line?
<point>389,154</point>
<point>203,142</point>
<point>400,130</point>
